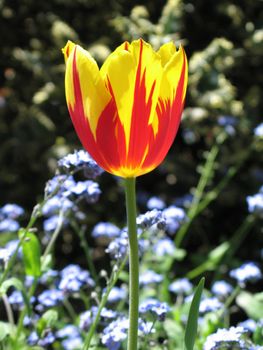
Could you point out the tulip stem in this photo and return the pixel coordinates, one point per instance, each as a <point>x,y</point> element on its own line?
<point>133,264</point>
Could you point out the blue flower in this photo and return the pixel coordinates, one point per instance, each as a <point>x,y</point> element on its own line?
<point>106,313</point>
<point>209,304</point>
<point>80,160</point>
<point>68,331</point>
<point>255,203</point>
<point>51,223</point>
<point>47,339</point>
<point>11,211</point>
<point>117,294</point>
<point>164,246</point>
<point>227,338</point>
<point>72,343</point>
<point>59,184</point>
<point>87,318</point>
<point>249,325</point>
<point>55,204</point>
<point>181,286</point>
<point>155,203</point>
<point>33,338</point>
<point>149,277</point>
<point>16,299</point>
<point>246,272</point>
<point>88,189</point>
<point>9,225</point>
<point>8,250</point>
<point>154,306</point>
<point>115,333</point>
<point>73,278</point>
<point>48,276</point>
<point>184,201</point>
<point>118,247</point>
<point>105,229</point>
<point>145,328</point>
<point>174,216</point>
<point>222,288</point>
<point>258,131</point>
<point>150,218</point>
<point>50,298</point>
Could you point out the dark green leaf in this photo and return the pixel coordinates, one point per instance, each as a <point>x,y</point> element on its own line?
<point>191,327</point>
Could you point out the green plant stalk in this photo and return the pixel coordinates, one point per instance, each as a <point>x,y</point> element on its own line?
<point>9,311</point>
<point>103,302</point>
<point>133,264</point>
<point>34,216</point>
<point>204,179</point>
<point>83,242</point>
<point>23,314</point>
<point>11,261</point>
<point>236,240</point>
<point>234,244</point>
<point>55,234</point>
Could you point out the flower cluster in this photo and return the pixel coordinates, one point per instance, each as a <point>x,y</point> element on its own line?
<point>80,160</point>
<point>67,194</point>
<point>9,214</point>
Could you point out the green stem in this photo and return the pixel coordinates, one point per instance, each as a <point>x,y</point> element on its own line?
<point>9,311</point>
<point>80,231</point>
<point>36,213</point>
<point>11,261</point>
<point>103,302</point>
<point>23,313</point>
<point>55,234</point>
<point>133,264</point>
<point>207,173</point>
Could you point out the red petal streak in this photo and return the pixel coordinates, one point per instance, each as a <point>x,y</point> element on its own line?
<point>110,137</point>
<point>140,130</point>
<point>169,116</point>
<point>81,123</point>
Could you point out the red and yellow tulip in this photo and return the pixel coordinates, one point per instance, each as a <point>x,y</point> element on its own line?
<point>126,113</point>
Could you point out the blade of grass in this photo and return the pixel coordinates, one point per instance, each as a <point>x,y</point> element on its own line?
<point>192,322</point>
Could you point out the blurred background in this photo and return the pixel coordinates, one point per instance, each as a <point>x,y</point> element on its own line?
<point>223,41</point>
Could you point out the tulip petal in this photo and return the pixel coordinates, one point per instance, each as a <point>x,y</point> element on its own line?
<point>134,88</point>
<point>94,94</point>
<point>168,113</point>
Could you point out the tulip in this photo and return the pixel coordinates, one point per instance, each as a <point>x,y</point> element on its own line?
<point>126,113</point>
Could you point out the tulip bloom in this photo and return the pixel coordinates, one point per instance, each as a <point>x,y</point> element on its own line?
<point>127,113</point>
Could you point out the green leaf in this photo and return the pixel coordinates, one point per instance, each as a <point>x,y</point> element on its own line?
<point>5,330</point>
<point>31,255</point>
<point>46,263</point>
<point>16,283</point>
<point>191,327</point>
<point>11,282</point>
<point>216,254</point>
<point>47,320</point>
<point>252,304</point>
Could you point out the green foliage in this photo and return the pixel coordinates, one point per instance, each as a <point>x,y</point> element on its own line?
<point>191,326</point>
<point>252,304</point>
<point>47,320</point>
<point>31,253</point>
